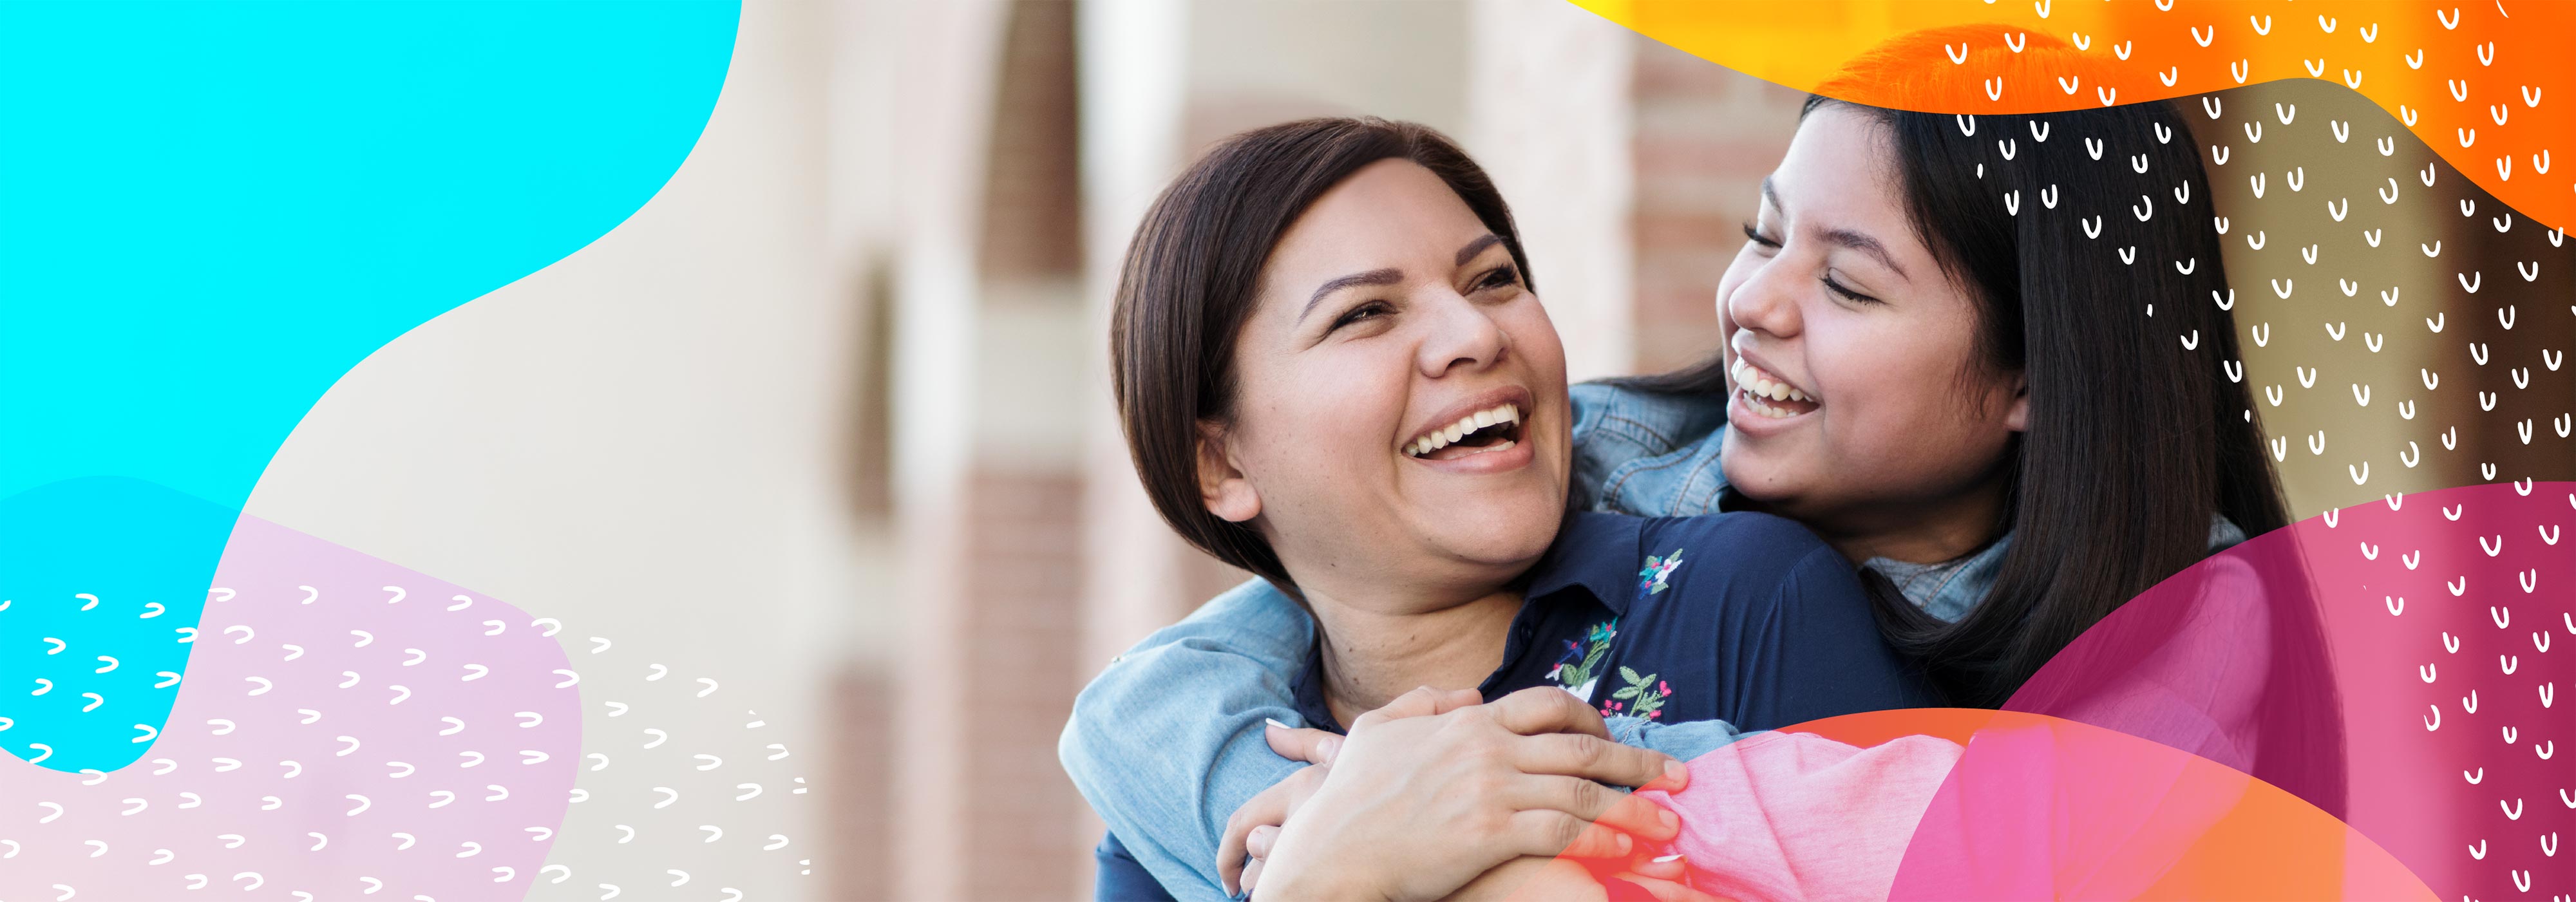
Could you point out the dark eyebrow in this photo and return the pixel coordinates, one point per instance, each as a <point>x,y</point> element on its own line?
<point>1858,241</point>
<point>1477,246</point>
<point>1867,245</point>
<point>1387,276</point>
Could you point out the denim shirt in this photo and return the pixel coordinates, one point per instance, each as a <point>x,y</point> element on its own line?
<point>1167,741</point>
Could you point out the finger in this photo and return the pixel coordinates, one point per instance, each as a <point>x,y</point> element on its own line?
<point>1547,709</point>
<point>1455,699</point>
<point>1305,744</point>
<point>1421,702</point>
<point>1258,843</point>
<point>1548,833</point>
<point>1590,801</point>
<point>1660,867</point>
<point>1251,874</point>
<point>1577,755</point>
<point>1269,808</point>
<point>1665,890</point>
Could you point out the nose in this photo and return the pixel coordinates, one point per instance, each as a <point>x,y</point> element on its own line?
<point>1766,301</point>
<point>1463,337</point>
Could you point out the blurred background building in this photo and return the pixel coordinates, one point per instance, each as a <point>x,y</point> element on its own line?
<point>829,417</point>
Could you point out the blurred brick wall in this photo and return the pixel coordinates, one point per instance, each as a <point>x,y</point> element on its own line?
<point>1021,584</point>
<point>1705,137</point>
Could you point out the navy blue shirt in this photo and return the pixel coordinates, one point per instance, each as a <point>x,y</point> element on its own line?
<point>1741,617</point>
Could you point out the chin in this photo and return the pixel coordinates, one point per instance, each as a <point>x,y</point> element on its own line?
<point>1516,534</point>
<point>1758,476</point>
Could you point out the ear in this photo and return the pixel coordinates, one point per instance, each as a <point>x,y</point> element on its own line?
<point>2017,417</point>
<point>1223,487</point>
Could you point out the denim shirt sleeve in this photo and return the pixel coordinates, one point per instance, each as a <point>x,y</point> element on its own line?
<point>1167,742</point>
<point>1645,453</point>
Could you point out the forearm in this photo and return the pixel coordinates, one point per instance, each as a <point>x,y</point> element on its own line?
<point>1167,742</point>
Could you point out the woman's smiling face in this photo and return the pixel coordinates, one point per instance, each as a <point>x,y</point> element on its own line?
<point>1859,402</point>
<point>1399,425</point>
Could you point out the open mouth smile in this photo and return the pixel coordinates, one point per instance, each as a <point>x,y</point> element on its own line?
<point>1766,394</point>
<point>1496,428</point>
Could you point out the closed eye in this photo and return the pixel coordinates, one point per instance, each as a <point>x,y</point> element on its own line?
<point>1755,235</point>
<point>1846,292</point>
<point>1501,276</point>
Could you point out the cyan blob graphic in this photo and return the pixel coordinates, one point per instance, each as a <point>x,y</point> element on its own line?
<point>209,212</point>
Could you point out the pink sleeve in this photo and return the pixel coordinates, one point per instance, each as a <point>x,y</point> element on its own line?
<point>1796,815</point>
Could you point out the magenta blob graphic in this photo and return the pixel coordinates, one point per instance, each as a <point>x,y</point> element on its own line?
<point>2396,664</point>
<point>346,728</point>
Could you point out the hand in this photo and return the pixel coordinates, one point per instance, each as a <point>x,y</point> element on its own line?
<point>1416,804</point>
<point>1252,828</point>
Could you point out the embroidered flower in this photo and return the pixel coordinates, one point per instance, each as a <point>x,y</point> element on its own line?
<point>1574,669</point>
<point>1651,580</point>
<point>1646,695</point>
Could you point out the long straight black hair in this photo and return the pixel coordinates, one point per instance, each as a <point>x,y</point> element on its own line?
<point>2085,238</point>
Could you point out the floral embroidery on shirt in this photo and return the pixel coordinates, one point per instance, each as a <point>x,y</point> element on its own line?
<point>1573,670</point>
<point>1644,695</point>
<point>1651,580</point>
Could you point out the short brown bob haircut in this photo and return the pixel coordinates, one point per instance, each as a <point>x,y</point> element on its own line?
<point>1189,284</point>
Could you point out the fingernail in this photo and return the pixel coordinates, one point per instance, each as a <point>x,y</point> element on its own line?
<point>1676,773</point>
<point>1670,822</point>
<point>1677,856</point>
<point>1624,843</point>
<point>1273,721</point>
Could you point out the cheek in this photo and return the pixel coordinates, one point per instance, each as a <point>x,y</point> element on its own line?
<point>1309,423</point>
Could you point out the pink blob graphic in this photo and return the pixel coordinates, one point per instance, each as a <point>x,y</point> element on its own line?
<point>346,727</point>
<point>2397,664</point>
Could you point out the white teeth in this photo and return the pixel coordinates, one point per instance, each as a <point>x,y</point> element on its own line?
<point>1758,385</point>
<point>1447,435</point>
